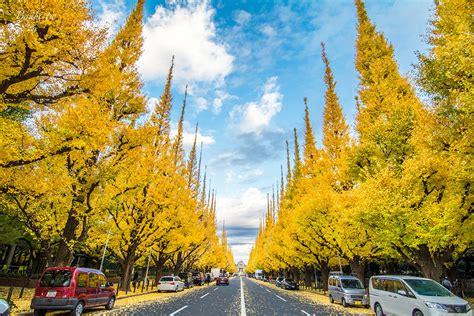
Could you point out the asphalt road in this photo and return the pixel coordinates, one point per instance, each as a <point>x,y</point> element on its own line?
<point>242,297</point>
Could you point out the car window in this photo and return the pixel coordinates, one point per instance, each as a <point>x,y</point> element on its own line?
<point>82,280</point>
<point>398,285</point>
<point>377,284</point>
<point>166,279</point>
<point>102,281</point>
<point>388,285</point>
<point>93,280</point>
<point>351,284</point>
<point>56,278</point>
<point>428,287</point>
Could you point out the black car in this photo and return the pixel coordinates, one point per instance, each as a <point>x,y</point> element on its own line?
<point>289,284</point>
<point>198,279</point>
<point>278,281</point>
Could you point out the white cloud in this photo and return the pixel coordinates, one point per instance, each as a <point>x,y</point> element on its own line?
<point>188,33</point>
<point>112,13</point>
<point>254,117</point>
<point>201,104</point>
<point>268,31</point>
<point>242,17</point>
<point>244,211</point>
<point>241,252</point>
<point>221,96</point>
<point>188,136</point>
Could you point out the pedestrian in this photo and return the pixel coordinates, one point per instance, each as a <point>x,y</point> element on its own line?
<point>208,279</point>
<point>135,279</point>
<point>447,284</point>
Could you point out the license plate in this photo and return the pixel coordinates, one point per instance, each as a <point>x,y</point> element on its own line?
<point>358,302</point>
<point>51,294</point>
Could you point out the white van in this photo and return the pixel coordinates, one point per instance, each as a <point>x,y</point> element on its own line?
<point>409,295</point>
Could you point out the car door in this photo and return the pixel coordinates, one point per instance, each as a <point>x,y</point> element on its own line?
<point>401,304</point>
<point>338,291</point>
<point>104,291</point>
<point>93,289</point>
<point>82,292</point>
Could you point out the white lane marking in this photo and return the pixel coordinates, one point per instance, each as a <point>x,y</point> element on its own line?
<point>205,295</point>
<point>308,314</point>
<point>243,312</point>
<point>267,290</point>
<point>216,289</point>
<point>281,298</point>
<point>176,312</point>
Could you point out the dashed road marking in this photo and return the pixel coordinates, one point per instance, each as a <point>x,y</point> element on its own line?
<point>267,290</point>
<point>243,312</point>
<point>281,298</point>
<point>216,289</point>
<point>177,311</point>
<point>306,313</point>
<point>205,295</point>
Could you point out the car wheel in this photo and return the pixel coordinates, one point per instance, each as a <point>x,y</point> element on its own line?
<point>40,312</point>
<point>77,311</point>
<point>344,303</point>
<point>378,310</point>
<point>177,288</point>
<point>417,313</point>
<point>331,299</point>
<point>110,304</point>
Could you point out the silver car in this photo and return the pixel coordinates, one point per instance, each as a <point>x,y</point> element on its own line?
<point>347,290</point>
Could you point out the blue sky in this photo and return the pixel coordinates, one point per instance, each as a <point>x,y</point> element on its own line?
<point>248,65</point>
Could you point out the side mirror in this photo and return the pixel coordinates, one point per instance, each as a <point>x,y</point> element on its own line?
<point>110,284</point>
<point>402,292</point>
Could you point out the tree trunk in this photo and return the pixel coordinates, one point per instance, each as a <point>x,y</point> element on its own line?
<point>358,267</point>
<point>64,254</point>
<point>126,267</point>
<point>324,268</point>
<point>432,264</point>
<point>178,264</point>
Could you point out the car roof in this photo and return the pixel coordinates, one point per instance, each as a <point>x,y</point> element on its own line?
<point>345,276</point>
<point>74,269</point>
<point>402,277</point>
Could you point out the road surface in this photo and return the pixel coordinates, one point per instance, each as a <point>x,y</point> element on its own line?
<point>242,297</point>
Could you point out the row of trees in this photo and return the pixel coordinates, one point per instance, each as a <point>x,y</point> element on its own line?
<point>402,189</point>
<point>82,162</point>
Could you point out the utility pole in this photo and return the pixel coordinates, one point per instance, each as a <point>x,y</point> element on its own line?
<point>105,249</point>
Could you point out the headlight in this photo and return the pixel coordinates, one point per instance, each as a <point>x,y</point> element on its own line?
<point>366,296</point>
<point>468,307</point>
<point>436,306</point>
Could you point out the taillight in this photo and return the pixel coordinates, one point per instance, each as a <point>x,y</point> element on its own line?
<point>159,283</point>
<point>172,283</point>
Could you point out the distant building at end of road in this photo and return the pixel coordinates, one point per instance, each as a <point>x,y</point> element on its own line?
<point>241,267</point>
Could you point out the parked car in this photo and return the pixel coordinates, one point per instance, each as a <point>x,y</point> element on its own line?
<point>289,284</point>
<point>170,284</point>
<point>264,279</point>
<point>187,278</point>
<point>222,280</point>
<point>409,295</point>
<point>72,288</point>
<point>347,290</point>
<point>198,279</point>
<point>4,308</point>
<point>278,281</point>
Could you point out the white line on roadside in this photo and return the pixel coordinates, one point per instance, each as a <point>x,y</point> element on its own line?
<point>243,312</point>
<point>267,290</point>
<point>281,298</point>
<point>216,289</point>
<point>176,312</point>
<point>205,295</point>
<point>308,314</point>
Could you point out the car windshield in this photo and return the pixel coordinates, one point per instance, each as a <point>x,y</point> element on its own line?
<point>166,279</point>
<point>56,278</point>
<point>427,287</point>
<point>351,284</point>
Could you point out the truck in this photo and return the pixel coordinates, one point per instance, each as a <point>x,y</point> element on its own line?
<point>215,272</point>
<point>258,274</point>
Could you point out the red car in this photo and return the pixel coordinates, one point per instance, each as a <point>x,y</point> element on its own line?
<point>72,288</point>
<point>222,280</point>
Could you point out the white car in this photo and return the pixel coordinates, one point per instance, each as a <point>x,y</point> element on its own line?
<point>170,283</point>
<point>413,296</point>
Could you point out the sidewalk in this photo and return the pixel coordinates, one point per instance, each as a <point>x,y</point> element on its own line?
<point>22,306</point>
